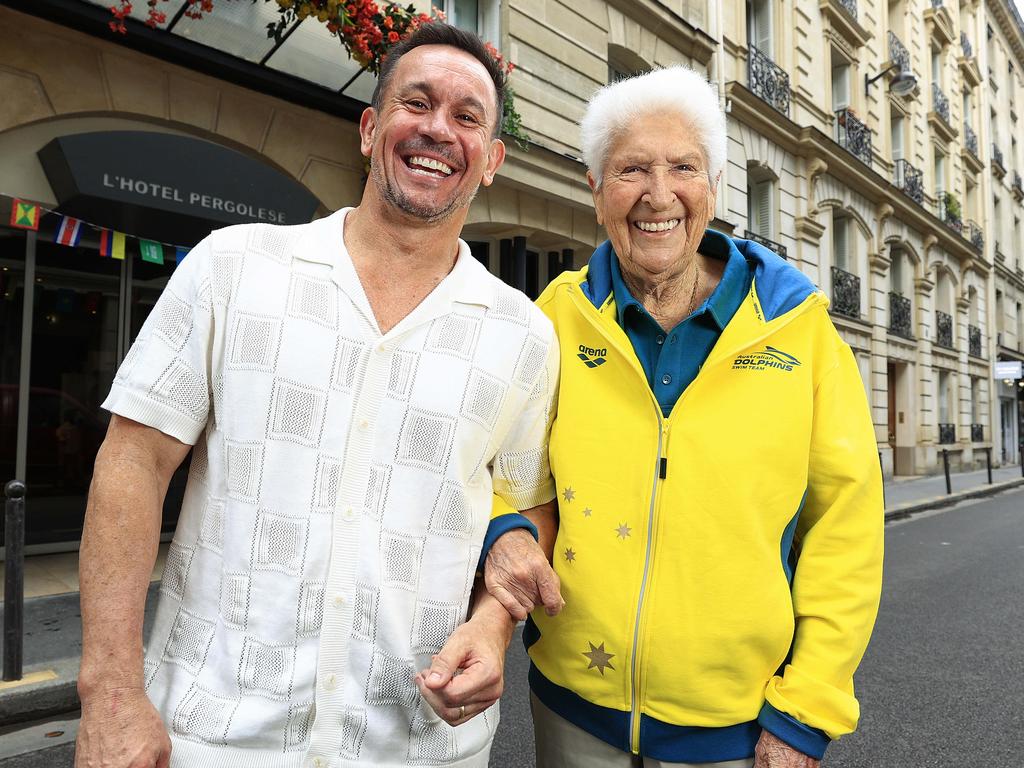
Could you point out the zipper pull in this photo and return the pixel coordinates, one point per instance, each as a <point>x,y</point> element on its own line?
<point>663,468</point>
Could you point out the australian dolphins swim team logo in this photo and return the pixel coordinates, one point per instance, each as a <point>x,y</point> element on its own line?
<point>769,358</point>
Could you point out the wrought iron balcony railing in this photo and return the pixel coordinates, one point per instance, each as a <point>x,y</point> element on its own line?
<point>943,329</point>
<point>853,135</point>
<point>937,3</point>
<point>1017,185</point>
<point>771,245</point>
<point>974,340</point>
<point>850,6</point>
<point>970,139</point>
<point>975,234</point>
<point>900,321</point>
<point>940,103</point>
<point>965,45</point>
<point>910,180</point>
<point>767,80</point>
<point>845,293</point>
<point>898,53</point>
<point>977,433</point>
<point>947,434</point>
<point>997,156</point>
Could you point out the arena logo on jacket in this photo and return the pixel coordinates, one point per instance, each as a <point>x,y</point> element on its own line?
<point>592,357</point>
<point>770,358</point>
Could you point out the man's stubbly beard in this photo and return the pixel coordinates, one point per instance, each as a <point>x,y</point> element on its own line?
<point>430,214</point>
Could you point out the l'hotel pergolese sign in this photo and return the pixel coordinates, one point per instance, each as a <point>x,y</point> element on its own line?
<point>168,186</point>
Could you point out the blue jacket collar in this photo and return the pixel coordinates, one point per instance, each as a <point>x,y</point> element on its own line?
<point>779,285</point>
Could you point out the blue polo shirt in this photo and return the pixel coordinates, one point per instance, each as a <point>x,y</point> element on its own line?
<point>672,359</point>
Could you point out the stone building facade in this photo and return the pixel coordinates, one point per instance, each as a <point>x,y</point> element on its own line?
<point>873,143</point>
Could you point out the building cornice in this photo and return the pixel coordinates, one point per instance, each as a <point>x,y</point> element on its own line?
<point>1010,23</point>
<point>670,27</point>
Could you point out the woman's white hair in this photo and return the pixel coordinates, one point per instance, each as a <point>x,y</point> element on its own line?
<point>612,110</point>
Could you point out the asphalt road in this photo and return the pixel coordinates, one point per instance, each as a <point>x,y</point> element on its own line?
<point>942,684</point>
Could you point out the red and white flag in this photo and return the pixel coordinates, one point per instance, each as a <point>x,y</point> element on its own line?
<point>69,231</point>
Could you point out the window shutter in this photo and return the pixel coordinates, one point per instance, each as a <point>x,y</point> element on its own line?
<point>764,209</point>
<point>840,86</point>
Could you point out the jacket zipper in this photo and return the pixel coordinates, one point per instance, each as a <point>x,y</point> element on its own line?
<point>634,711</point>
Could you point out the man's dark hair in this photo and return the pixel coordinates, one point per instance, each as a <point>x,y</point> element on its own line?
<point>439,33</point>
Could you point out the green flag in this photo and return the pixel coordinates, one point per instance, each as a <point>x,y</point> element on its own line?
<point>151,252</point>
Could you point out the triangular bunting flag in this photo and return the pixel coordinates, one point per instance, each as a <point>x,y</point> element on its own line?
<point>69,231</point>
<point>24,215</point>
<point>151,252</point>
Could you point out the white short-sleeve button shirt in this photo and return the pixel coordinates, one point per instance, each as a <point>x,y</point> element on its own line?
<point>330,462</point>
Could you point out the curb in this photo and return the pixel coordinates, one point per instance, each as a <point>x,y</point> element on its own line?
<point>938,502</point>
<point>56,692</point>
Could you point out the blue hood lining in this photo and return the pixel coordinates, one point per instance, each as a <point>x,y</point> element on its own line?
<point>780,286</point>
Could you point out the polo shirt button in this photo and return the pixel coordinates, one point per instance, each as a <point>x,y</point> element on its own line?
<point>672,339</point>
<point>329,682</point>
<point>318,762</point>
<point>666,379</point>
<point>364,425</point>
<point>338,601</point>
<point>660,340</point>
<point>349,513</point>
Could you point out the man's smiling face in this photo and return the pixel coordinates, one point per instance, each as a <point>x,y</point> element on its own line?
<point>431,142</point>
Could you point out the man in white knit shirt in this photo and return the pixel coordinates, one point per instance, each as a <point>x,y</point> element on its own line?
<point>355,390</point>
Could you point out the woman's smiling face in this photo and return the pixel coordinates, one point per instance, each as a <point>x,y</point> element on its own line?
<point>656,198</point>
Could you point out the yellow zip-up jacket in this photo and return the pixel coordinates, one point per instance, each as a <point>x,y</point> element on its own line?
<point>721,566</point>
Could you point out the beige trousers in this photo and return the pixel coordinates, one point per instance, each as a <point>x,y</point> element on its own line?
<point>560,744</point>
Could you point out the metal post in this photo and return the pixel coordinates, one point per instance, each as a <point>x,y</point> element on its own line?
<point>945,465</point>
<point>1022,461</point>
<point>988,463</point>
<point>14,572</point>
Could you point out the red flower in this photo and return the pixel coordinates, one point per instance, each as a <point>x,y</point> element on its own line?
<point>389,22</point>
<point>392,37</point>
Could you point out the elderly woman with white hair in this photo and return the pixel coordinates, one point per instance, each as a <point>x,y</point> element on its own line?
<point>719,525</point>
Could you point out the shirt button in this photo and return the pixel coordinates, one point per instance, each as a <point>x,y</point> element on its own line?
<point>318,762</point>
<point>672,339</point>
<point>348,513</point>
<point>330,681</point>
<point>364,425</point>
<point>338,601</point>
<point>660,340</point>
<point>666,379</point>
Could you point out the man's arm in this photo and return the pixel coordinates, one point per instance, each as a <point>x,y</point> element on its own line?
<point>119,725</point>
<point>518,570</point>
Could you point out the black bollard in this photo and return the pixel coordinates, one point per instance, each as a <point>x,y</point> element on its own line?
<point>14,588</point>
<point>1022,461</point>
<point>945,466</point>
<point>988,464</point>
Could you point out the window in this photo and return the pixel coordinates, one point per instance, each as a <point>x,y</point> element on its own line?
<point>623,63</point>
<point>840,82</point>
<point>760,209</point>
<point>968,109</point>
<point>975,397</point>
<point>999,311</point>
<point>1020,327</point>
<point>759,25</point>
<point>896,131</point>
<point>896,271</point>
<point>937,67</point>
<point>841,242</point>
<point>480,16</point>
<point>940,173</point>
<point>943,397</point>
